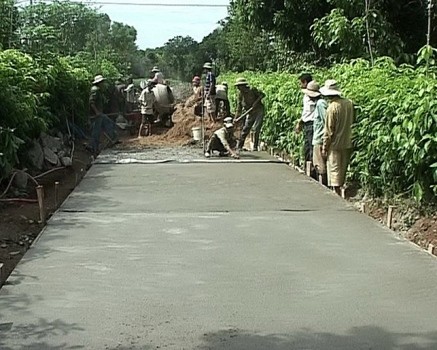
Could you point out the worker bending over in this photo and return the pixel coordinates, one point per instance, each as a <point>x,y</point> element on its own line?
<point>249,99</point>
<point>222,141</point>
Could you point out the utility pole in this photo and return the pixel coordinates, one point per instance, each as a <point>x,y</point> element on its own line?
<point>428,35</point>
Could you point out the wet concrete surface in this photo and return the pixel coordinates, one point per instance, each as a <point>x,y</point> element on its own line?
<point>216,256</point>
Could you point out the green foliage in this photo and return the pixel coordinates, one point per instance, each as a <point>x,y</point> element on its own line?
<point>335,30</point>
<point>36,96</point>
<point>395,133</point>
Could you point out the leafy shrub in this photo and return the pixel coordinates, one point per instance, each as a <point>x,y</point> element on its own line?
<point>395,132</point>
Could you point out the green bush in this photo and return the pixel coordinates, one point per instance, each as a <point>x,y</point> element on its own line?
<point>395,133</point>
<point>37,95</point>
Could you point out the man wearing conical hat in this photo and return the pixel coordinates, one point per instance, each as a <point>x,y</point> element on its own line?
<point>337,137</point>
<point>99,120</point>
<point>249,99</point>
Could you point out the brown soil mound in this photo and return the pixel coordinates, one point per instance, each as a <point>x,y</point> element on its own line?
<point>180,134</point>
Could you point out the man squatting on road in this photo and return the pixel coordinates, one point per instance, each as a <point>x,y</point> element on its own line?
<point>223,140</point>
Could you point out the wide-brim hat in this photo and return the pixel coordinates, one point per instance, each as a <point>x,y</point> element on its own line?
<point>330,88</point>
<point>229,125</point>
<point>98,79</point>
<point>155,69</point>
<point>312,89</point>
<point>241,82</point>
<point>207,65</point>
<point>227,120</point>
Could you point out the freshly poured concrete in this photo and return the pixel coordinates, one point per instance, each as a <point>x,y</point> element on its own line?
<point>216,256</point>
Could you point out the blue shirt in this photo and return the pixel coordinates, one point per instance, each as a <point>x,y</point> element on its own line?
<point>319,121</point>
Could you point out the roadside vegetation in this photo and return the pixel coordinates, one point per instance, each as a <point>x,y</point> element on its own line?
<point>377,51</point>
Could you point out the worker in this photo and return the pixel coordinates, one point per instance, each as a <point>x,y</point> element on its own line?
<point>148,103</point>
<point>130,95</point>
<point>337,137</point>
<point>222,141</point>
<point>306,122</point>
<point>210,91</point>
<point>312,90</point>
<point>221,99</point>
<point>158,76</point>
<point>197,89</point>
<point>251,100</point>
<point>98,119</point>
<point>119,95</point>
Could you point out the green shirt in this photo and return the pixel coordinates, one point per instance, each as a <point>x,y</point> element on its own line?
<point>96,98</point>
<point>247,98</point>
<point>319,121</point>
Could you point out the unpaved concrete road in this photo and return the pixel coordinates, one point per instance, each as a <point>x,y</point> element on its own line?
<point>216,256</point>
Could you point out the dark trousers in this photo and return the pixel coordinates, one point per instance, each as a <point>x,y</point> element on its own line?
<point>255,122</point>
<point>215,144</point>
<point>308,142</point>
<point>98,124</point>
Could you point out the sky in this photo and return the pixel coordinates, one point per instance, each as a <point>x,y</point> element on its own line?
<point>156,25</point>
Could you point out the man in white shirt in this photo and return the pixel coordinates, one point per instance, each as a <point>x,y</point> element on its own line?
<point>306,121</point>
<point>159,77</point>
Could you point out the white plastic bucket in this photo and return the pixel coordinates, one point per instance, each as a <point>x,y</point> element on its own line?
<point>197,133</point>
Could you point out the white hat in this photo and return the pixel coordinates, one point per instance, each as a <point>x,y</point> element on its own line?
<point>207,65</point>
<point>227,120</point>
<point>241,82</point>
<point>229,125</point>
<point>98,79</point>
<point>155,69</point>
<point>330,88</point>
<point>312,89</point>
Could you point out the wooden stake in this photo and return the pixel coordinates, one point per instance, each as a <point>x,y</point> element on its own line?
<point>343,193</point>
<point>390,215</point>
<point>308,168</point>
<point>321,179</point>
<point>56,194</point>
<point>364,208</point>
<point>431,249</point>
<point>42,210</point>
<point>2,274</point>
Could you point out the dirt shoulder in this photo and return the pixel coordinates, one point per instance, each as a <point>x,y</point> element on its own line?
<point>19,221</point>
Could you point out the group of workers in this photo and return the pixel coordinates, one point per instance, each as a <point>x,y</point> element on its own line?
<point>249,100</point>
<point>327,126</point>
<point>326,121</point>
<point>126,101</point>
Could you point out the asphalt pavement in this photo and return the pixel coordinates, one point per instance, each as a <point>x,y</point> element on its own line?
<point>213,255</point>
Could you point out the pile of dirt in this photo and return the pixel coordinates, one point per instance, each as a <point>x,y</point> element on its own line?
<point>180,134</point>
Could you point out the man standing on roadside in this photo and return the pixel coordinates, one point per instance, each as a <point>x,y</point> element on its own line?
<point>249,99</point>
<point>221,98</point>
<point>307,119</point>
<point>147,101</point>
<point>210,91</point>
<point>99,120</point>
<point>337,137</point>
<point>319,161</point>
